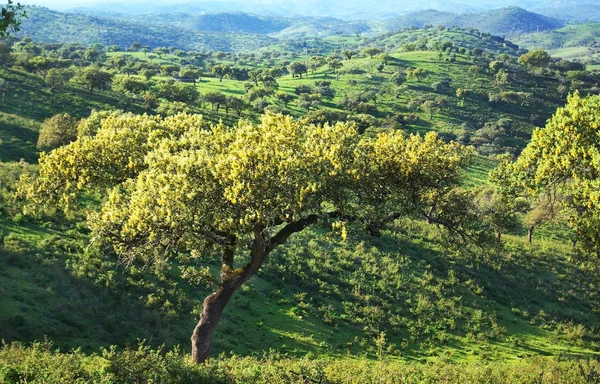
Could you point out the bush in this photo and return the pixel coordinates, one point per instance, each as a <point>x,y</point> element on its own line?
<point>39,364</point>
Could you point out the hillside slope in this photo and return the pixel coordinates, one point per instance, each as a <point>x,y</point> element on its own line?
<point>502,22</point>
<point>407,294</point>
<point>45,25</point>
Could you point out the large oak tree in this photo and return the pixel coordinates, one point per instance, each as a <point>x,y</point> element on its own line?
<point>180,187</point>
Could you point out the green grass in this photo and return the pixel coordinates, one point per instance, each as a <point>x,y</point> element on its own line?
<point>318,294</point>
<point>570,42</point>
<point>48,289</point>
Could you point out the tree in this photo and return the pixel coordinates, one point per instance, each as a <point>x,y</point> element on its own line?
<point>297,69</point>
<point>130,85</point>
<point>236,104</point>
<point>430,107</point>
<point>371,51</point>
<point>216,99</point>
<point>309,100</point>
<point>190,73</point>
<point>348,54</point>
<point>315,62</point>
<point>169,69</point>
<point>502,78</point>
<point>495,66</point>
<point>135,47</point>
<point>497,211</point>
<point>385,58</point>
<point>543,209</point>
<point>176,91</point>
<point>160,51</point>
<point>334,64</point>
<point>57,77</point>
<point>397,79</point>
<point>4,88</point>
<point>10,19</point>
<point>535,58</point>
<point>285,98</point>
<point>221,70</point>
<point>148,73</point>
<point>172,108</point>
<point>93,78</point>
<point>58,130</point>
<point>180,188</point>
<point>563,159</point>
<point>418,73</point>
<point>461,95</point>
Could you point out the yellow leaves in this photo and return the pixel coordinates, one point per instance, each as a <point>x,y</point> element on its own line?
<point>340,226</point>
<point>174,179</point>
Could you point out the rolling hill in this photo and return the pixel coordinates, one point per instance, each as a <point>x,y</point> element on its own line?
<point>571,11</point>
<point>46,25</point>
<point>238,31</point>
<point>501,22</point>
<point>571,42</point>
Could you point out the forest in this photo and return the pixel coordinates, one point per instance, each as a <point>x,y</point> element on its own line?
<point>417,206</point>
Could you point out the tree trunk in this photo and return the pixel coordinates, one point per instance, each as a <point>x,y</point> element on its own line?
<point>529,235</point>
<point>498,235</point>
<point>212,309</point>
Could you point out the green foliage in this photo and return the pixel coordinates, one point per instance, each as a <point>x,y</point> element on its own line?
<point>39,363</point>
<point>58,130</point>
<point>11,18</point>
<point>535,58</point>
<point>562,159</point>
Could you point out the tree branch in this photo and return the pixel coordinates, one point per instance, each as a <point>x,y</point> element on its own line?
<point>284,233</point>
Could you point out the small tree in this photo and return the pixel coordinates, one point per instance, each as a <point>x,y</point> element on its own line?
<point>190,73</point>
<point>563,159</point>
<point>236,104</point>
<point>285,98</point>
<point>535,58</point>
<point>221,70</point>
<point>348,54</point>
<point>58,130</point>
<point>216,100</point>
<point>461,95</point>
<point>93,78</point>
<point>371,51</point>
<point>334,64</point>
<point>297,69</point>
<point>309,101</point>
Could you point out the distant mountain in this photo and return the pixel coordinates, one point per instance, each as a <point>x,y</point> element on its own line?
<point>570,11</point>
<point>501,22</point>
<point>573,39</point>
<point>229,22</point>
<point>322,27</point>
<point>234,31</point>
<point>339,9</point>
<point>46,25</point>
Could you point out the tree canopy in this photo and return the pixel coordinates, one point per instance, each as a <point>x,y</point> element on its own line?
<point>180,188</point>
<point>563,160</point>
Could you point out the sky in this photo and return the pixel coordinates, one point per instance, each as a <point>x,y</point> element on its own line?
<point>300,6</point>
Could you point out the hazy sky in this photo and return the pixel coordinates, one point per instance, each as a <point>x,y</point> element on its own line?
<point>261,5</point>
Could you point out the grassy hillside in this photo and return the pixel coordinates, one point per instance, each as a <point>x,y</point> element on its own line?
<point>406,295</point>
<point>571,42</point>
<point>571,11</point>
<point>502,22</point>
<point>238,31</point>
<point>45,25</point>
<point>318,294</point>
